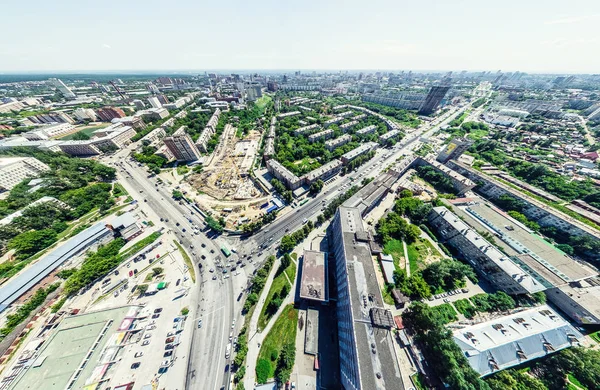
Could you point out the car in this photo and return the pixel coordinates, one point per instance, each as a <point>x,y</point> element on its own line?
<point>145,342</point>
<point>178,282</point>
<point>183,230</point>
<point>135,365</point>
<point>203,245</point>
<point>203,257</point>
<point>169,340</point>
<point>224,270</point>
<point>211,270</point>
<point>168,353</point>
<point>147,335</point>
<point>166,219</point>
<point>116,272</point>
<point>199,323</point>
<point>176,223</point>
<point>212,251</point>
<point>446,300</point>
<point>240,296</point>
<point>162,219</point>
<point>169,346</point>
<point>138,354</point>
<point>154,316</point>
<point>214,277</point>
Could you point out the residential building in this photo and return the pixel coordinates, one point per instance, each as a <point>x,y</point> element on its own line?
<point>139,105</point>
<point>14,170</point>
<point>337,142</point>
<point>359,151</point>
<point>366,346</point>
<point>433,99</point>
<point>324,172</point>
<point>51,117</point>
<point>503,272</point>
<point>107,114</point>
<point>182,146</point>
<point>389,135</point>
<point>332,121</point>
<point>154,114</point>
<point>208,132</point>
<point>322,135</point>
<point>290,180</point>
<point>154,136</point>
<point>62,88</point>
<point>79,148</point>
<point>347,126</point>
<point>305,130</point>
<point>154,102</point>
<point>134,121</point>
<point>367,130</point>
<point>515,339</point>
<point>50,131</point>
<point>288,114</point>
<point>454,149</point>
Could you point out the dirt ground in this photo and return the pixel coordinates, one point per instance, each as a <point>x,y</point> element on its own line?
<point>225,186</point>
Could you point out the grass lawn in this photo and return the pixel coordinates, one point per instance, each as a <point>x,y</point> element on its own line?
<point>595,336</point>
<point>187,260</point>
<point>87,131</point>
<point>575,383</point>
<point>282,333</point>
<point>262,102</point>
<point>278,282</point>
<point>477,134</point>
<point>418,252</point>
<point>418,381</point>
<point>396,249</point>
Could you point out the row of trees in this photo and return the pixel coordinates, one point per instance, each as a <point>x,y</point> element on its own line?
<point>265,219</point>
<point>289,241</point>
<point>439,181</point>
<point>283,191</point>
<point>216,225</point>
<point>258,283</point>
<point>152,161</point>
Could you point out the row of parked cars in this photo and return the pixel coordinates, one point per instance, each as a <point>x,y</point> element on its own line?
<point>449,293</point>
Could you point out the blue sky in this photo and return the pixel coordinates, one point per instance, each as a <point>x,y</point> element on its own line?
<point>526,35</point>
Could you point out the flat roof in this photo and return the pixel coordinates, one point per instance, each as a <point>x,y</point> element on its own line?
<point>66,349</point>
<point>363,286</point>
<point>313,285</point>
<point>516,338</point>
<point>532,249</point>
<point>509,266</point>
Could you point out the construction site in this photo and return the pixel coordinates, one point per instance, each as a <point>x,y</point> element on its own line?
<point>225,186</point>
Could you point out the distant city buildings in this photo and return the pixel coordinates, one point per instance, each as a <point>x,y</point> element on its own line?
<point>63,89</point>
<point>433,99</point>
<point>107,114</point>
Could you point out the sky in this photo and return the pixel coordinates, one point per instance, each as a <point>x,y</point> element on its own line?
<point>537,36</point>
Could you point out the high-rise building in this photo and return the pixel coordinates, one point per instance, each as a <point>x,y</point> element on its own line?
<point>182,146</point>
<point>153,88</point>
<point>154,102</point>
<point>162,99</point>
<point>454,149</point>
<point>433,99</point>
<point>272,86</point>
<point>107,114</point>
<point>64,90</point>
<point>139,104</point>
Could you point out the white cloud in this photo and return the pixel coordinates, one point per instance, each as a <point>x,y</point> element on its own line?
<point>573,19</point>
<point>106,46</point>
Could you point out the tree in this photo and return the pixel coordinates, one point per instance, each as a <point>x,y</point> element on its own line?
<point>157,271</point>
<point>28,243</point>
<point>287,243</point>
<point>316,187</point>
<point>177,195</point>
<point>263,369</point>
<point>142,288</point>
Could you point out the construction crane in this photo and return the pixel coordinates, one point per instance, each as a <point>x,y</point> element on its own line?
<point>117,89</point>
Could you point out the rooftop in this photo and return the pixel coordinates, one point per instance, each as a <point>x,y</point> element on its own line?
<point>364,296</point>
<point>514,339</point>
<point>314,276</point>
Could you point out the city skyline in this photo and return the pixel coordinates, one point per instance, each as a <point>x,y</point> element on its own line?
<point>270,36</point>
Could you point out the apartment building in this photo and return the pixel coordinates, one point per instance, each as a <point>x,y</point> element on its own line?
<point>305,130</point>
<point>135,122</point>
<point>50,131</point>
<point>290,180</point>
<point>154,136</point>
<point>208,131</point>
<point>389,135</point>
<point>14,170</point>
<point>107,114</point>
<point>322,135</point>
<point>359,151</point>
<point>181,146</point>
<point>337,142</point>
<point>324,172</point>
<point>79,148</point>
<point>367,130</point>
<point>347,126</point>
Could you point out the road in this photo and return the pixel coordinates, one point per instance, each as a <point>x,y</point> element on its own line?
<point>271,234</point>
<point>213,299</point>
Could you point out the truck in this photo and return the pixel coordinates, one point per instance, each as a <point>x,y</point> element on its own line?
<point>225,251</point>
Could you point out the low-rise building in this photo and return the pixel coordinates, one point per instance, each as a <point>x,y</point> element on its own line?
<point>313,285</point>
<point>337,142</point>
<point>367,130</point>
<point>290,180</point>
<point>134,121</point>
<point>50,131</point>
<point>154,136</point>
<point>79,148</point>
<point>305,130</point>
<point>14,170</point>
<point>347,126</point>
<point>288,114</point>
<point>322,135</point>
<point>389,135</point>
<point>359,151</point>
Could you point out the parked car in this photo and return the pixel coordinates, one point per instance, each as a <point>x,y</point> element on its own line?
<point>168,353</point>
<point>158,310</point>
<point>135,365</point>
<point>146,342</point>
<point>169,346</point>
<point>170,340</point>
<point>138,354</point>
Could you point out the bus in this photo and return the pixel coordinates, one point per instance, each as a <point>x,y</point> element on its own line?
<point>225,251</point>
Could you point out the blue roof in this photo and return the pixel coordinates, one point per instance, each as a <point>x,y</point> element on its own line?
<point>17,286</point>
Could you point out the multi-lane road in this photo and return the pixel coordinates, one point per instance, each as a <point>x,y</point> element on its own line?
<point>217,302</point>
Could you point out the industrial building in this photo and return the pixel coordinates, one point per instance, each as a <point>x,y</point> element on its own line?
<point>368,359</point>
<point>14,170</point>
<point>514,339</point>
